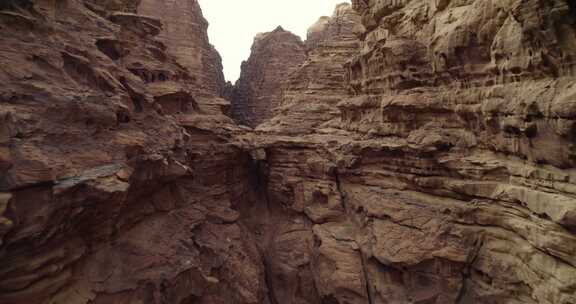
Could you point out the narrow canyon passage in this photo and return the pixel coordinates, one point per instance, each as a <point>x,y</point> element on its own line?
<point>404,152</point>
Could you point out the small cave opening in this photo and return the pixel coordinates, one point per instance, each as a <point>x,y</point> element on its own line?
<point>136,98</point>
<point>444,146</point>
<point>531,131</point>
<point>330,299</point>
<point>122,117</point>
<point>512,130</point>
<point>178,103</point>
<point>320,198</point>
<point>137,103</point>
<point>81,71</point>
<point>109,48</point>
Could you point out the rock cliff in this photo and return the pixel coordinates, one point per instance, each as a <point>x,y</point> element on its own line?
<point>447,173</point>
<point>421,152</point>
<point>311,93</point>
<point>184,34</point>
<point>117,183</point>
<point>258,90</point>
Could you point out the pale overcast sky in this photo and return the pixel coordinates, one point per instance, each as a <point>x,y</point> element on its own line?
<point>234,23</point>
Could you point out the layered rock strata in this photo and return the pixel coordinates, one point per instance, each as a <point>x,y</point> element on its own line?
<point>116,184</point>
<point>258,90</point>
<point>311,93</point>
<point>448,175</point>
<point>184,34</point>
<point>424,153</point>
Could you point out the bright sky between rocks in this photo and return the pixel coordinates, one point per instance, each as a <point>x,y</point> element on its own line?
<point>234,23</point>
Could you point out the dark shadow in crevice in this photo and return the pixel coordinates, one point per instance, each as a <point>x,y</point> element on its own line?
<point>572,5</point>
<point>138,100</point>
<point>16,4</point>
<point>110,48</point>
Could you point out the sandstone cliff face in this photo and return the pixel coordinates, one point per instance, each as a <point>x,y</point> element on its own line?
<point>116,184</point>
<point>311,93</point>
<point>184,33</point>
<point>448,175</point>
<point>423,153</point>
<point>258,91</point>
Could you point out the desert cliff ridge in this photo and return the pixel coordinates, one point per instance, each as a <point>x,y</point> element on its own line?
<point>405,152</point>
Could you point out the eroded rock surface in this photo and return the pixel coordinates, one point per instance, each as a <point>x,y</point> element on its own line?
<point>447,173</point>
<point>311,93</point>
<point>258,91</point>
<point>422,153</point>
<point>117,184</point>
<point>184,36</point>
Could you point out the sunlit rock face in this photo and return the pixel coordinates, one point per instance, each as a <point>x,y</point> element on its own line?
<point>411,152</point>
<point>275,55</point>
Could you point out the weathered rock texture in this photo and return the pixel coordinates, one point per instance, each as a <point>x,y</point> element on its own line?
<point>447,175</point>
<point>184,33</point>
<point>423,153</point>
<point>311,93</point>
<point>116,184</point>
<point>258,90</point>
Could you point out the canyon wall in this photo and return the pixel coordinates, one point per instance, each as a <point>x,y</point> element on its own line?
<point>257,92</point>
<point>447,173</point>
<point>117,183</point>
<point>420,152</point>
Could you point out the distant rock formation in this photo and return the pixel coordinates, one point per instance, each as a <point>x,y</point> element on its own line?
<point>184,35</point>
<point>311,93</point>
<point>274,56</point>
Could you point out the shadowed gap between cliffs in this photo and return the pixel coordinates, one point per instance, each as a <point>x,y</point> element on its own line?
<point>258,182</point>
<point>572,5</point>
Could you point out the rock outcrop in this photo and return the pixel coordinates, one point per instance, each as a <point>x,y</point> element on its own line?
<point>311,93</point>
<point>447,173</point>
<point>423,152</point>
<point>258,90</point>
<point>184,34</point>
<point>117,185</point>
<point>477,97</point>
